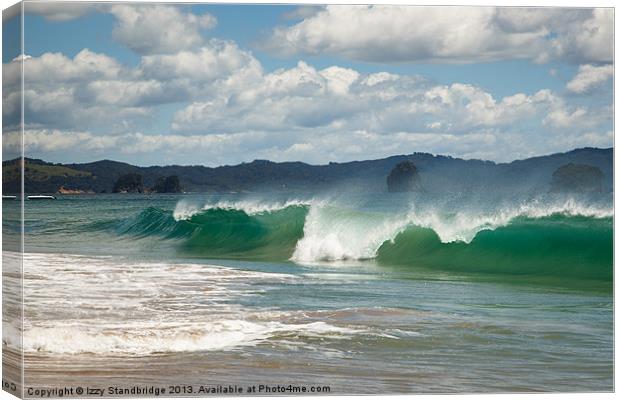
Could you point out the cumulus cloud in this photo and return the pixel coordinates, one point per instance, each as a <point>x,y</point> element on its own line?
<point>56,90</point>
<point>83,91</point>
<point>236,110</point>
<point>590,77</point>
<point>214,60</point>
<point>51,82</point>
<point>228,109</point>
<point>449,34</point>
<point>56,68</point>
<point>156,29</point>
<point>338,98</point>
<point>587,40</point>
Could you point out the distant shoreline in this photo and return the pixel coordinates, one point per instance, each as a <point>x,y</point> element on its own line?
<point>436,171</point>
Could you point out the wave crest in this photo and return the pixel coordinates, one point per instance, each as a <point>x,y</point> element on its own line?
<point>185,210</point>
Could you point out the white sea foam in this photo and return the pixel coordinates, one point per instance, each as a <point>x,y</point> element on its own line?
<point>86,304</point>
<point>208,336</point>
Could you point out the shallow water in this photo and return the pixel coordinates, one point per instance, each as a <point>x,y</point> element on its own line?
<point>217,290</point>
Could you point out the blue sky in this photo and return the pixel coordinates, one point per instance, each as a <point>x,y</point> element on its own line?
<point>224,84</point>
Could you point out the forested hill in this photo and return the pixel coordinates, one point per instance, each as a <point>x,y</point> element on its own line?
<point>437,173</point>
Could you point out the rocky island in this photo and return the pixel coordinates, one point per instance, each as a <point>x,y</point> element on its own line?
<point>167,184</point>
<point>404,177</point>
<point>577,178</point>
<point>129,183</point>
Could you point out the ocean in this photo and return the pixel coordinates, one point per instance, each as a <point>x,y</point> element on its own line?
<point>347,293</point>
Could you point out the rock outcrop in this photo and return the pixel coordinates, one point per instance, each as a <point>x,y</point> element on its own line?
<point>129,183</point>
<point>404,177</point>
<point>577,178</point>
<point>167,184</point>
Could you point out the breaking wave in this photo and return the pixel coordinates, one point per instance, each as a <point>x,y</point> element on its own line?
<point>565,238</point>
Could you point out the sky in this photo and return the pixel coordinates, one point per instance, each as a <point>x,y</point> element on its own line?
<point>154,84</point>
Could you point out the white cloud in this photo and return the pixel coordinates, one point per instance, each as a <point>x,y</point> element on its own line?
<point>588,40</point>
<point>236,111</point>
<point>59,12</point>
<point>301,12</point>
<point>214,60</point>
<point>74,145</point>
<point>125,93</point>
<point>55,90</point>
<point>55,68</point>
<point>590,77</point>
<point>144,28</point>
<point>84,91</point>
<point>218,149</point>
<point>317,147</point>
<point>343,99</point>
<point>156,29</point>
<point>561,118</point>
<point>51,140</point>
<point>449,34</point>
<point>286,98</point>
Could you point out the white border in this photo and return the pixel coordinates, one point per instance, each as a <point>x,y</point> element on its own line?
<point>505,3</point>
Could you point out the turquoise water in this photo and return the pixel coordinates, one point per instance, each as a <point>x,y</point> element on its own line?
<point>364,293</point>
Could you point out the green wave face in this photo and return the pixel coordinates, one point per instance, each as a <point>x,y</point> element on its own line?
<point>557,246</point>
<point>561,246</point>
<point>226,233</point>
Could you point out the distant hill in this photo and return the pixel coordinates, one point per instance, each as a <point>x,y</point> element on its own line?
<point>437,174</point>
